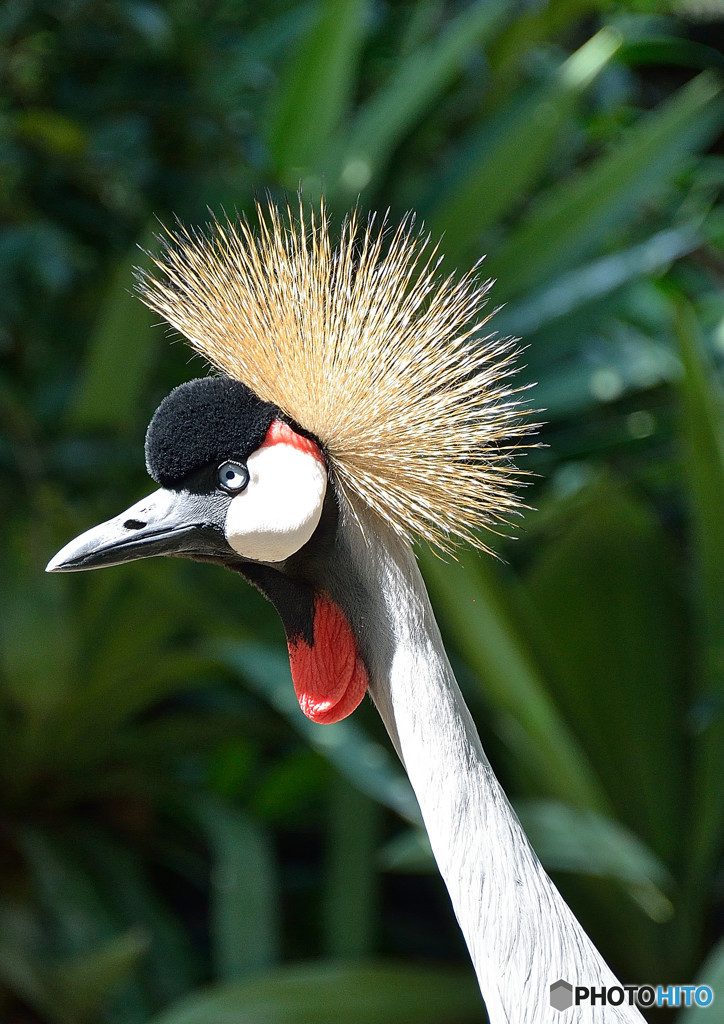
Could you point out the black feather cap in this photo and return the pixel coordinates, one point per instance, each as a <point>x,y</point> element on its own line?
<point>205,421</point>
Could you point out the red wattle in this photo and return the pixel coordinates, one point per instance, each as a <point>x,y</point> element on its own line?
<point>329,677</point>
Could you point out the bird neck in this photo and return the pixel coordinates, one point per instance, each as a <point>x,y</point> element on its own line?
<point>521,934</point>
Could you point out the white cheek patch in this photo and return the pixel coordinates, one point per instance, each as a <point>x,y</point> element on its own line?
<point>281,506</point>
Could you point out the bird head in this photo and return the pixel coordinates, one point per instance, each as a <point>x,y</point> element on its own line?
<point>242,487</point>
<point>237,484</point>
<point>351,384</point>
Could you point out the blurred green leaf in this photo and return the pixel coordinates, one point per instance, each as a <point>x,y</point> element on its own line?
<point>568,292</point>
<point>111,699</point>
<point>86,982</point>
<point>329,993</point>
<point>702,410</point>
<point>363,761</point>
<point>51,131</point>
<point>81,921</point>
<point>351,905</point>
<point>416,82</point>
<point>569,839</point>
<point>292,786</point>
<point>317,87</point>
<point>23,969</point>
<point>505,158</point>
<point>245,916</point>
<point>534,25</point>
<point>711,973</point>
<point>702,413</point>
<point>566,839</point>
<point>480,616</point>
<point>29,610</point>
<point>160,743</point>
<point>410,851</point>
<point>567,222</point>
<point>628,363</point>
<point>79,915</point>
<point>606,590</point>
<point>168,968</point>
<point>120,351</point>
<point>684,53</point>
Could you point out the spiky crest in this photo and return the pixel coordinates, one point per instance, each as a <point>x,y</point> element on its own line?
<point>364,347</point>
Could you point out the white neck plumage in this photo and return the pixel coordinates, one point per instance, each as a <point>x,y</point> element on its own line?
<point>521,935</point>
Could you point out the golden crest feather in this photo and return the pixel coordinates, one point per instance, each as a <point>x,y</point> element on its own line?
<point>368,350</point>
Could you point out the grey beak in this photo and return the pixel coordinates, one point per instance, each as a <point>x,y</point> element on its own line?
<point>165,523</point>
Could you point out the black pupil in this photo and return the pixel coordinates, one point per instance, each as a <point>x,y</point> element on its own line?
<point>230,474</point>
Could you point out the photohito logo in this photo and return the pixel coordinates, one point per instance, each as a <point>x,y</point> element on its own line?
<point>564,995</point>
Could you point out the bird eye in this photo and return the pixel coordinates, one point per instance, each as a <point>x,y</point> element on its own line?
<point>233,477</point>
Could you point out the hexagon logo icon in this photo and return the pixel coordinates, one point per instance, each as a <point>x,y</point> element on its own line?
<point>561,995</point>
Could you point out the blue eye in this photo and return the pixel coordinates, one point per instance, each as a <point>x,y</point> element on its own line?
<point>233,477</point>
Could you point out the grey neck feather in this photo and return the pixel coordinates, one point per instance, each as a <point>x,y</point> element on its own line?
<point>521,934</point>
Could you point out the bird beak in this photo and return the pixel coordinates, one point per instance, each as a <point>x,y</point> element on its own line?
<point>165,523</point>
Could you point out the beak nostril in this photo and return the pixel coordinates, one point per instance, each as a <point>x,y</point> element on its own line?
<point>133,524</point>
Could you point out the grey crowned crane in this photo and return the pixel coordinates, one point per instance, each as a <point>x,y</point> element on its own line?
<point>354,406</point>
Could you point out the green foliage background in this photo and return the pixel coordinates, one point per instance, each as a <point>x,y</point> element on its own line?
<point>177,844</point>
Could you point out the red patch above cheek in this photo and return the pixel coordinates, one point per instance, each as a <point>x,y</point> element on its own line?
<point>329,677</point>
<point>282,433</point>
